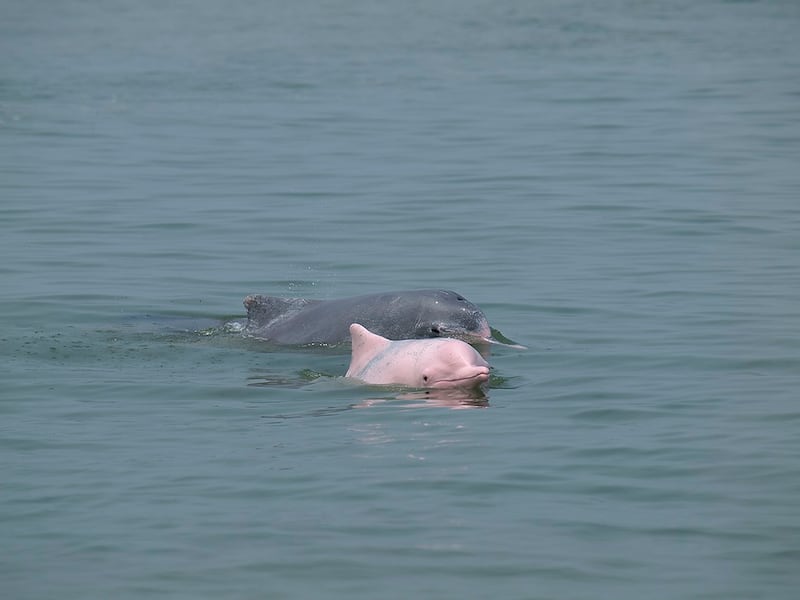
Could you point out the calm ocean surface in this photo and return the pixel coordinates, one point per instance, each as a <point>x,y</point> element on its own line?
<point>616,184</point>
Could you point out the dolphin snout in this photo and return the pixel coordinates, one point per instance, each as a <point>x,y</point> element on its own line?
<point>482,374</point>
<point>473,376</point>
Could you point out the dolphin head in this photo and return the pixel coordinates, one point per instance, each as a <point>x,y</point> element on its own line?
<point>425,363</point>
<point>444,313</point>
<point>453,364</point>
<point>448,314</point>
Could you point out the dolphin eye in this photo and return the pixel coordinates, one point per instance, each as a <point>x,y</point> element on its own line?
<point>435,330</point>
<point>425,378</point>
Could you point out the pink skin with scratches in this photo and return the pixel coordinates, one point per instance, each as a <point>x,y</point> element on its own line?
<point>437,363</point>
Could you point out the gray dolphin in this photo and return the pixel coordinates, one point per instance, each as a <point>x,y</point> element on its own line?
<point>394,315</point>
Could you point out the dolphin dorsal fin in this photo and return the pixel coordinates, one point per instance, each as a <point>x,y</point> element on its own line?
<point>366,345</point>
<point>264,310</point>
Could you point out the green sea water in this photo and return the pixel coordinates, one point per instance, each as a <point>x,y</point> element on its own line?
<point>617,186</point>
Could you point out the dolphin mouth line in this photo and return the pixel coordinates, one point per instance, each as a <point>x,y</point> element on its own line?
<point>494,342</point>
<point>481,376</point>
<point>474,338</point>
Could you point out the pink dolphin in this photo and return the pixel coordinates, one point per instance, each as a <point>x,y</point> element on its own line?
<point>426,363</point>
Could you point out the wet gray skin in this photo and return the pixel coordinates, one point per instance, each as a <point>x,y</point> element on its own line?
<point>395,315</point>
